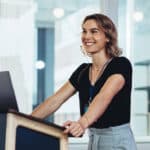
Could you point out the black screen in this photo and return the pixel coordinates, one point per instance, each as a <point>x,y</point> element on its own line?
<point>28,139</point>
<point>7,95</point>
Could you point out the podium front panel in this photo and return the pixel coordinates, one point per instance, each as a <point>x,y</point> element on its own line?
<point>28,139</point>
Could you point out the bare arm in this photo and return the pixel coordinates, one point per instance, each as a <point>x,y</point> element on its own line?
<point>98,106</point>
<point>52,103</point>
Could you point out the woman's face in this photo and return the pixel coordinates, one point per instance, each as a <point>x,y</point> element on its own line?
<point>93,37</point>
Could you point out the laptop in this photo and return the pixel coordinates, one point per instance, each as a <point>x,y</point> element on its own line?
<point>7,96</point>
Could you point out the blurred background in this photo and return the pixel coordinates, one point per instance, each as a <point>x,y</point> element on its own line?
<point>40,46</point>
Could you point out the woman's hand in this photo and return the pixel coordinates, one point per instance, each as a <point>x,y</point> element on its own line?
<point>74,127</point>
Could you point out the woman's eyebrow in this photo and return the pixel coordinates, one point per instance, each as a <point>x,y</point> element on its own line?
<point>91,28</point>
<point>94,28</point>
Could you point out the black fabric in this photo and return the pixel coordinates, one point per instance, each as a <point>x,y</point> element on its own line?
<point>118,112</point>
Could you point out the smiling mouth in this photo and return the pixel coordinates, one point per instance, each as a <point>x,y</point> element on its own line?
<point>89,43</point>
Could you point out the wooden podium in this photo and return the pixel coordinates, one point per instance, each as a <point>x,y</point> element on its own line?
<point>21,132</point>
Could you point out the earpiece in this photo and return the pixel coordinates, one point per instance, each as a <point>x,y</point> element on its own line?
<point>107,40</point>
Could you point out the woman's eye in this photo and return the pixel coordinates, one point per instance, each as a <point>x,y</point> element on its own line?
<point>94,31</point>
<point>83,31</point>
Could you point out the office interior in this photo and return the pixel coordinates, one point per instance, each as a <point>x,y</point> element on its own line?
<point>40,46</point>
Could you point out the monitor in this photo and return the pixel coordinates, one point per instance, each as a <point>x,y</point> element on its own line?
<point>7,95</point>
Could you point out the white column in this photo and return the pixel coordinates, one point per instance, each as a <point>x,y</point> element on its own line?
<point>110,8</point>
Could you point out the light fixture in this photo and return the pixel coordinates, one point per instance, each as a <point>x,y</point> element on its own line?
<point>58,12</point>
<point>138,16</point>
<point>40,64</point>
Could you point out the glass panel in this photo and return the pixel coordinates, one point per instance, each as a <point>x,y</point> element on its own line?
<point>134,36</point>
<point>141,57</point>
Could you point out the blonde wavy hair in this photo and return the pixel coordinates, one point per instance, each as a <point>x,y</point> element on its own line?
<point>106,24</point>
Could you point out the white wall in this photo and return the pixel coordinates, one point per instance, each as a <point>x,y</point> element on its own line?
<point>17,54</point>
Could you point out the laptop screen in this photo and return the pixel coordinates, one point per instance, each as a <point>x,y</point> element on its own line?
<point>7,95</point>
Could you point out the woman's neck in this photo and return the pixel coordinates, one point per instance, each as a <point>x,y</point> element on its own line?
<point>99,60</point>
<point>99,63</point>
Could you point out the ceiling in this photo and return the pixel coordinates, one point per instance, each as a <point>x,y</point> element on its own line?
<point>46,7</point>
<point>44,13</point>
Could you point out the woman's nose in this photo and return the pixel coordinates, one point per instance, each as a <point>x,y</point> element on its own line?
<point>87,35</point>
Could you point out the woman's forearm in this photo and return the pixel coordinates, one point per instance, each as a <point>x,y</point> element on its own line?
<point>52,103</point>
<point>96,109</point>
<point>46,108</point>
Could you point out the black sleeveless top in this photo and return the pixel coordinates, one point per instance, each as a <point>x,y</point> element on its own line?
<point>118,111</point>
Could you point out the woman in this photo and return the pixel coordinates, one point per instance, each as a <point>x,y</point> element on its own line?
<point>104,88</point>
